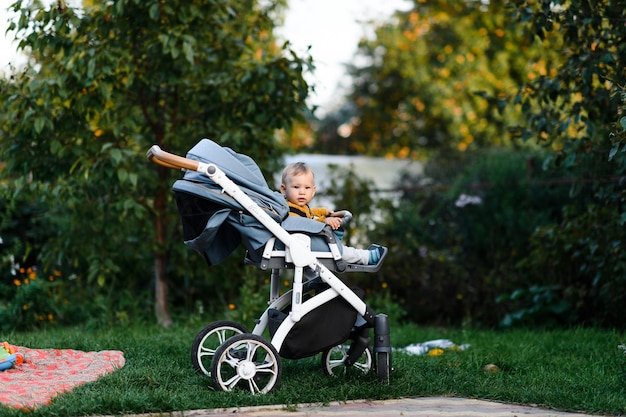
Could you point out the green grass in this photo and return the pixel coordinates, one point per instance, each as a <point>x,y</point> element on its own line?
<point>570,370</point>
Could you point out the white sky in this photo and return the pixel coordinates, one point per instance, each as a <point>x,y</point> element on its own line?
<point>331,27</point>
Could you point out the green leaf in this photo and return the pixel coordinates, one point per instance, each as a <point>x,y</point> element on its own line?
<point>133,177</point>
<point>165,43</point>
<point>614,150</point>
<point>570,160</point>
<point>122,174</point>
<point>154,11</point>
<point>91,68</point>
<point>188,51</point>
<point>40,123</point>
<point>55,147</point>
<point>129,204</point>
<point>116,155</point>
<point>105,91</point>
<point>75,165</point>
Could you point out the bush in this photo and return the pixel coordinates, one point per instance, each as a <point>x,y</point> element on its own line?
<point>579,260</point>
<point>455,241</point>
<point>33,295</point>
<point>584,262</point>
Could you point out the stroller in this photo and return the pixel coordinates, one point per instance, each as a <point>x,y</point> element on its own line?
<point>224,201</point>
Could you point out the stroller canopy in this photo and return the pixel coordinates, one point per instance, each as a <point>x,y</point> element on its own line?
<point>214,223</point>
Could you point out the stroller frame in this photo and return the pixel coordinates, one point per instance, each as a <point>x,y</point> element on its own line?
<point>248,357</point>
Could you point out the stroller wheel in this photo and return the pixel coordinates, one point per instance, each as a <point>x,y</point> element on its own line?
<point>333,361</point>
<point>208,340</point>
<point>383,366</point>
<point>247,361</point>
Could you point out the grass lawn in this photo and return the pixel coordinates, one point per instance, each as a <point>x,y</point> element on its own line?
<point>571,370</point>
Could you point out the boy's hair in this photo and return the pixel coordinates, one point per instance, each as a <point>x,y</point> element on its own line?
<point>296,168</point>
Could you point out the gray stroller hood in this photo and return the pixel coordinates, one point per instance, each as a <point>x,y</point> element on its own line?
<point>214,223</point>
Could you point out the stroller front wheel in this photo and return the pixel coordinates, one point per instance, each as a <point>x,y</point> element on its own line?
<point>247,361</point>
<point>208,340</point>
<point>383,366</point>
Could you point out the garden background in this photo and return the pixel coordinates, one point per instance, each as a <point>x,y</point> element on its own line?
<point>515,109</point>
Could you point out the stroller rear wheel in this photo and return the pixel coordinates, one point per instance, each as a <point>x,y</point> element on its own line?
<point>247,361</point>
<point>208,340</point>
<point>333,361</point>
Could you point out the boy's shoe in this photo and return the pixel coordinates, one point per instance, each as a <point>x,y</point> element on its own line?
<point>377,254</point>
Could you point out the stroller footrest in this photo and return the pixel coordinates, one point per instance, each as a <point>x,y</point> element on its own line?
<point>363,268</point>
<point>369,268</point>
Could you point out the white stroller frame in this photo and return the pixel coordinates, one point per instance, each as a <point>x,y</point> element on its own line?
<point>237,358</point>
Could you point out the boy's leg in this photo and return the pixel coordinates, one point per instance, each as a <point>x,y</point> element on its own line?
<point>355,256</point>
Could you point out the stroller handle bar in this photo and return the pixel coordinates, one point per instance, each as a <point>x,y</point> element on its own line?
<point>170,160</point>
<point>345,216</point>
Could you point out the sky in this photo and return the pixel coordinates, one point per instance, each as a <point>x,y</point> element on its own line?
<point>332,28</point>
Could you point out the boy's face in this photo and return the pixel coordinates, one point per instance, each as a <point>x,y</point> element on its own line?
<point>299,189</point>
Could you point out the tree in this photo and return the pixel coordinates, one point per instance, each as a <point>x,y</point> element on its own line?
<point>106,82</point>
<point>577,105</point>
<point>419,84</point>
<point>578,110</point>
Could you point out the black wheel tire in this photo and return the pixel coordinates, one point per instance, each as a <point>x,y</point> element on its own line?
<point>383,366</point>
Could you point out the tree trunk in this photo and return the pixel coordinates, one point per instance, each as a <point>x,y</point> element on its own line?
<point>160,307</point>
<point>160,260</point>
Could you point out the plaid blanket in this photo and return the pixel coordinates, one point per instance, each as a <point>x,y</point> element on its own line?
<point>46,373</point>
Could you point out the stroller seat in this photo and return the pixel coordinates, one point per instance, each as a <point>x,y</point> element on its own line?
<point>214,224</point>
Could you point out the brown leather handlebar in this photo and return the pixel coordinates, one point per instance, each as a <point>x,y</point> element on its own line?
<point>169,160</point>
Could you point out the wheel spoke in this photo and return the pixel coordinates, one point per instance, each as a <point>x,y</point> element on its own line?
<point>204,351</point>
<point>335,363</point>
<point>363,367</point>
<point>269,371</point>
<point>251,350</point>
<point>254,388</point>
<point>232,382</point>
<point>221,335</point>
<point>265,365</point>
<point>231,360</point>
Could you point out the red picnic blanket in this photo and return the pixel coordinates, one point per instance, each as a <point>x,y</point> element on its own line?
<point>46,373</point>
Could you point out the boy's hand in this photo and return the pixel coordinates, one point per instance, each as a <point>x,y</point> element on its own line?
<point>333,222</point>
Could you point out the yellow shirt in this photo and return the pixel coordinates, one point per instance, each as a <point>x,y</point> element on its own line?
<point>317,213</point>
